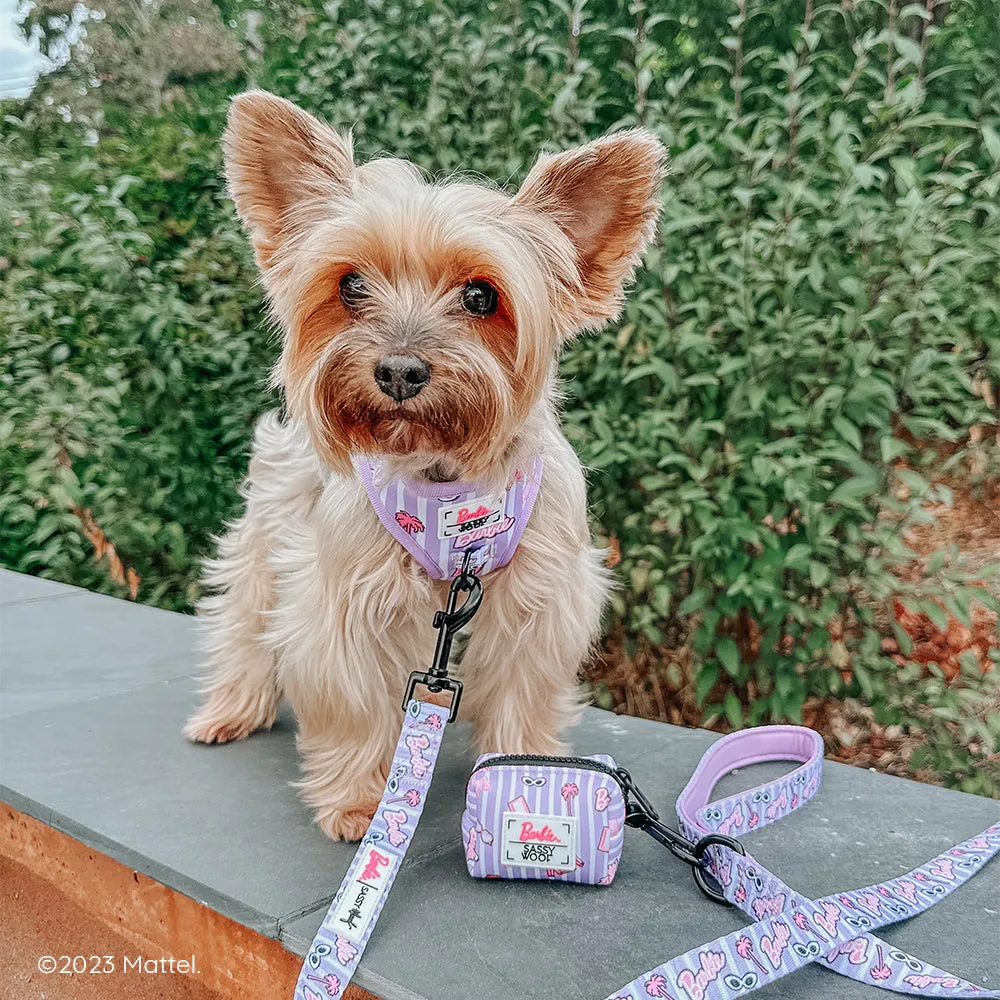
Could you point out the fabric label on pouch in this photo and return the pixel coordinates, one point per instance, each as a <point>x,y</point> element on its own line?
<point>532,841</point>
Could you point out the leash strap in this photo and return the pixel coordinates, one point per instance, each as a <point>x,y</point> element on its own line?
<point>343,936</point>
<point>341,939</point>
<point>790,930</point>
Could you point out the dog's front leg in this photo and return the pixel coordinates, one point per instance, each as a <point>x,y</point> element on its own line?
<point>241,687</point>
<point>536,628</point>
<point>345,682</point>
<point>345,762</point>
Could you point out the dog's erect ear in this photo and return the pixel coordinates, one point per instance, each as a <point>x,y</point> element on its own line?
<point>283,166</point>
<point>605,196</point>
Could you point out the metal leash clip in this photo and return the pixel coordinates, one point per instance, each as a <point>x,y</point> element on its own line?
<point>448,622</point>
<point>641,815</point>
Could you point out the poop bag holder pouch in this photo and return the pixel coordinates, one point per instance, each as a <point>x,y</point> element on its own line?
<point>535,817</point>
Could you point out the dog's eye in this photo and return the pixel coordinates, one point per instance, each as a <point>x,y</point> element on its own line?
<point>480,298</point>
<point>352,289</point>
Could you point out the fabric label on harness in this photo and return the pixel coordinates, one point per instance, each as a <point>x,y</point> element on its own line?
<point>479,512</point>
<point>532,841</point>
<point>358,904</point>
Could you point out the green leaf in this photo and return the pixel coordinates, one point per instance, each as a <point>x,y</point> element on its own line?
<point>848,432</point>
<point>922,363</point>
<point>665,372</point>
<point>903,637</point>
<point>819,574</point>
<point>936,561</point>
<point>854,489</point>
<point>705,680</point>
<point>701,378</point>
<point>728,655</point>
<point>694,601</point>
<point>913,481</point>
<point>733,709</point>
<point>797,556</point>
<point>936,613</point>
<point>890,448</point>
<point>991,139</point>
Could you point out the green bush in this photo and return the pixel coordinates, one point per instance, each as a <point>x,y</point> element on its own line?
<point>134,361</point>
<point>823,296</point>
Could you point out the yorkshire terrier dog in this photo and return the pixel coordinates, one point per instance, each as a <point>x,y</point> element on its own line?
<point>421,326</point>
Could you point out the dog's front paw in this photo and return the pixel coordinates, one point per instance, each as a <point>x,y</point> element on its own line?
<point>346,824</point>
<point>231,714</point>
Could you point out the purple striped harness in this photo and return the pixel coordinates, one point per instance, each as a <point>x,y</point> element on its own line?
<point>438,523</point>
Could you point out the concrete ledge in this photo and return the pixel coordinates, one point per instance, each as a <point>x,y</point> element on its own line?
<point>91,747</point>
<point>231,960</point>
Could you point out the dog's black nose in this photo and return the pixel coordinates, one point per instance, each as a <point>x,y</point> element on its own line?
<point>402,376</point>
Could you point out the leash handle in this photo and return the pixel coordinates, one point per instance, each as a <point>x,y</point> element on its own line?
<point>791,931</point>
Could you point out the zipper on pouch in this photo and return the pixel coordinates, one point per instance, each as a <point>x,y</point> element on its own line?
<point>619,774</point>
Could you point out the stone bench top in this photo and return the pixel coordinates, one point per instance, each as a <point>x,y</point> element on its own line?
<point>93,694</point>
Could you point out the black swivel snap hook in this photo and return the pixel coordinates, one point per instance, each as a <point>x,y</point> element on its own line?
<point>448,622</point>
<point>639,813</point>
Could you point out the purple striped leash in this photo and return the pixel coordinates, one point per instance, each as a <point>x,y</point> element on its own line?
<point>790,930</point>
<point>340,941</point>
<point>336,950</point>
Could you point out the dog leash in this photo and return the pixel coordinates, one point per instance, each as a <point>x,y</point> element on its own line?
<point>790,930</point>
<point>340,942</point>
<point>341,939</point>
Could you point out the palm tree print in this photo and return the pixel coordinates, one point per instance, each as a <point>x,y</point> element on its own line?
<point>410,523</point>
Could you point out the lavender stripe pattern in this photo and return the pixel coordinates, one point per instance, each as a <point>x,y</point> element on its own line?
<point>438,523</point>
<point>790,930</point>
<point>591,797</point>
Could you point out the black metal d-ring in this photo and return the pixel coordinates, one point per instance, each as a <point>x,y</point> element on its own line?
<point>700,871</point>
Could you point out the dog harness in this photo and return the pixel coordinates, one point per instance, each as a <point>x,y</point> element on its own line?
<point>438,523</point>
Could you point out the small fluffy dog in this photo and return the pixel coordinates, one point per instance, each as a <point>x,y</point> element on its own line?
<point>421,325</point>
